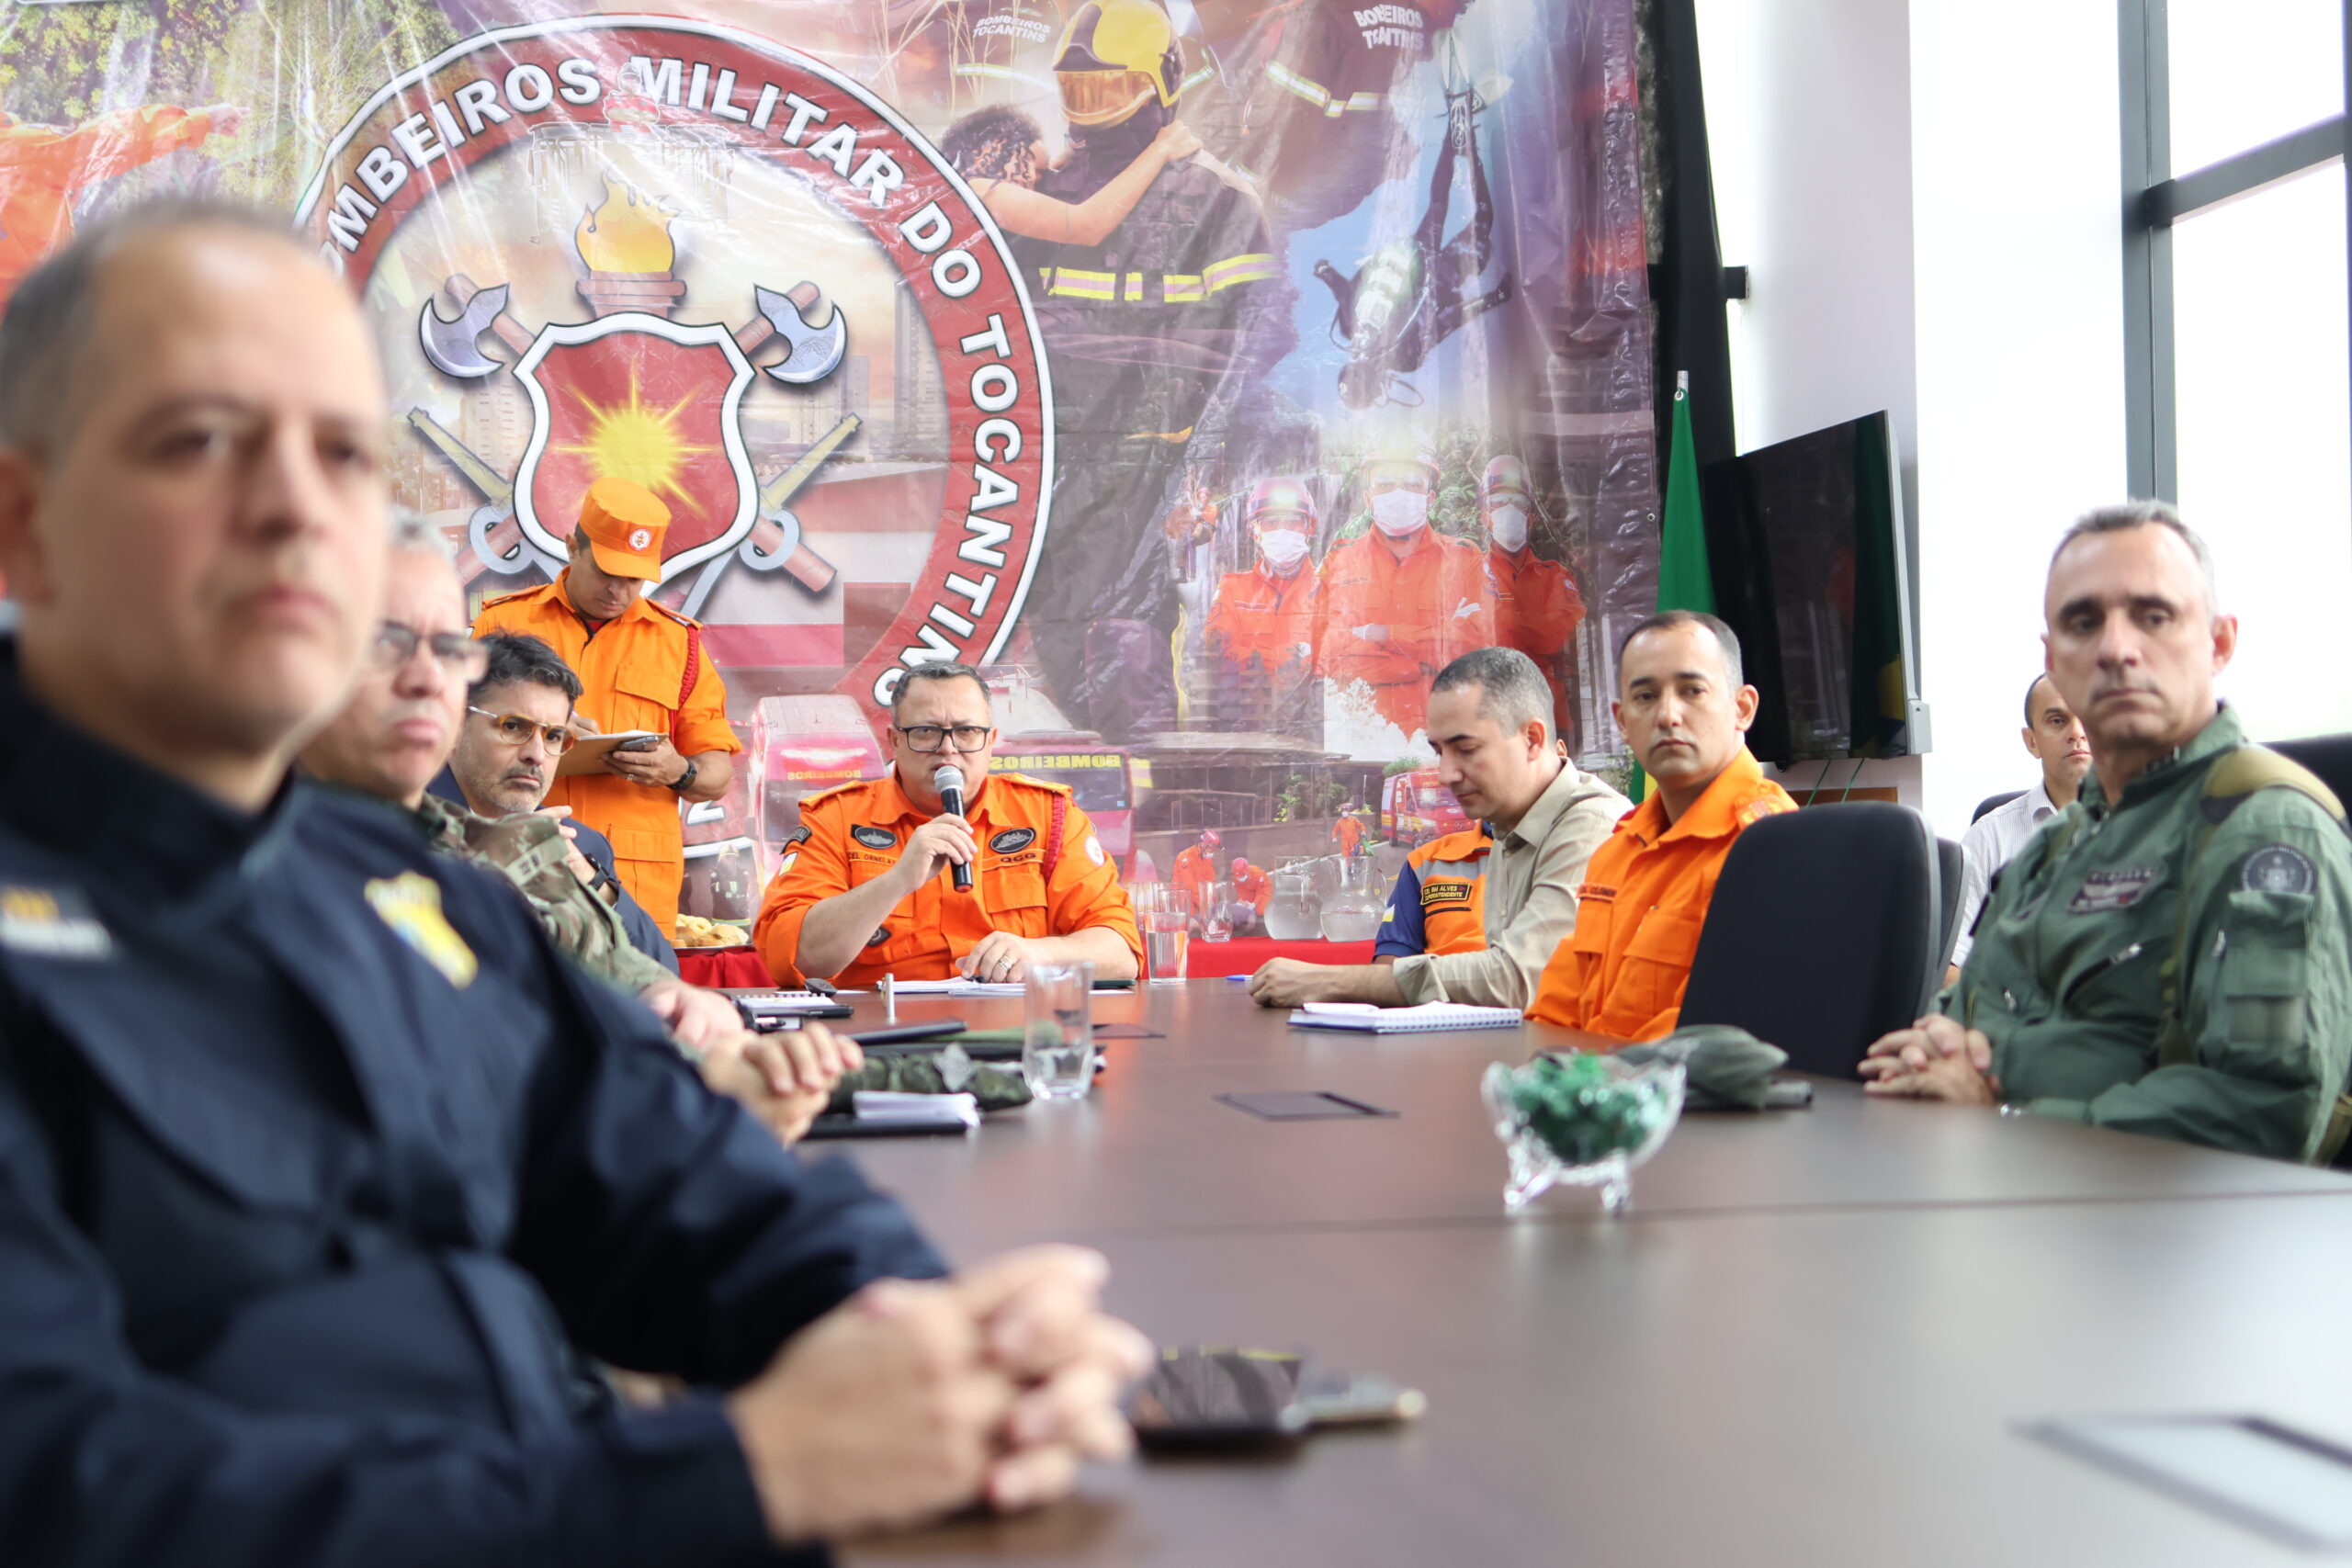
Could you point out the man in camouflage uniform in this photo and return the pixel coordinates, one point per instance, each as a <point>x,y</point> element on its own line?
<point>394,735</point>
<point>2169,955</point>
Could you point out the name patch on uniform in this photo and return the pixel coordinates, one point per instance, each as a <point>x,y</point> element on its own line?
<point>411,904</point>
<point>874,837</point>
<point>1436,893</point>
<point>52,924</point>
<point>2103,891</point>
<point>1012,839</point>
<point>2278,869</point>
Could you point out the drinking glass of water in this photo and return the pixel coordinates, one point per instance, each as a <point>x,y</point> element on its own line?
<point>1058,1045</point>
<point>1167,937</point>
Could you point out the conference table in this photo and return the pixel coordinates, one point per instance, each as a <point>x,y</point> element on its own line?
<point>1813,1338</point>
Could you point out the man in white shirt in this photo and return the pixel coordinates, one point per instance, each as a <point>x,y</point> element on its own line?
<point>2055,737</point>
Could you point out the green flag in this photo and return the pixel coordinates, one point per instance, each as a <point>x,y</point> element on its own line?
<point>1683,580</point>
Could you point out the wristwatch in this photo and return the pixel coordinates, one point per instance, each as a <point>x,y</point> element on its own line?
<point>685,781</point>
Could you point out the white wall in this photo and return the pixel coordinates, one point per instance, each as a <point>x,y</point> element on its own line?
<point>1808,118</point>
<point>2015,152</point>
<point>1929,200</point>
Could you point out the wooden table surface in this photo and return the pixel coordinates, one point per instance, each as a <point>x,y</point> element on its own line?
<point>1809,1341</point>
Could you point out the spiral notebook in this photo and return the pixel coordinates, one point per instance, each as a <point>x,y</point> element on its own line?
<point>1364,1017</point>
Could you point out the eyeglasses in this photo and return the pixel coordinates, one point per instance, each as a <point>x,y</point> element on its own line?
<point>514,730</point>
<point>929,737</point>
<point>458,654</point>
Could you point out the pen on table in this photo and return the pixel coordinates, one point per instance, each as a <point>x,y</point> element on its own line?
<point>1236,976</point>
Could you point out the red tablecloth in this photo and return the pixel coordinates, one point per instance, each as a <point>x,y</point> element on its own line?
<point>716,966</point>
<point>1214,960</point>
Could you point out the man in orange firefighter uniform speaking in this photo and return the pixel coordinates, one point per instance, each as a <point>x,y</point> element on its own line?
<point>867,887</point>
<point>642,667</point>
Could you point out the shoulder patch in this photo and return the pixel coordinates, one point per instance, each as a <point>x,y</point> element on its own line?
<point>1028,781</point>
<point>678,615</point>
<point>411,904</point>
<point>2277,869</point>
<point>799,835</point>
<point>831,790</point>
<point>51,922</point>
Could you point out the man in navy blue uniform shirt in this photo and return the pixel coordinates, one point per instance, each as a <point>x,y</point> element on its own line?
<point>319,1167</point>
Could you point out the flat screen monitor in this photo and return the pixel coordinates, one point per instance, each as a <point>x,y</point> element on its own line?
<point>1806,545</point>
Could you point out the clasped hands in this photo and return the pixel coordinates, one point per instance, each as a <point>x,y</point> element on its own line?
<point>914,1399</point>
<point>1936,1058</point>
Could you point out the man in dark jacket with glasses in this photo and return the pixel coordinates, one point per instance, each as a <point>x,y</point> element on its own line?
<point>516,728</point>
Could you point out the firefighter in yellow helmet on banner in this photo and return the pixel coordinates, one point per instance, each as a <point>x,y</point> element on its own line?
<point>1146,331</point>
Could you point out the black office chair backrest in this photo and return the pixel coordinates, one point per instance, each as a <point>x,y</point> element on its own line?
<point>2329,756</point>
<point>1991,802</point>
<point>1950,865</point>
<point>1821,932</point>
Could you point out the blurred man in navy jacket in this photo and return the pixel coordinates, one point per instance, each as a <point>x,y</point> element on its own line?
<point>317,1162</point>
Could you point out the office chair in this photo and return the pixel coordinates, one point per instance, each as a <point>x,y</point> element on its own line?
<point>1992,803</point>
<point>1822,932</point>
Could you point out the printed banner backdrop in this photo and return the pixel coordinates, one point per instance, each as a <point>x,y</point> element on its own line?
<point>1209,373</point>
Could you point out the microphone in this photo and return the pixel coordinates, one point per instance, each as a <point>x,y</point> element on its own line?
<point>949,782</point>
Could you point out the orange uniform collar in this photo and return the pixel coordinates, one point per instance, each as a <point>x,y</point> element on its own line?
<point>1718,813</point>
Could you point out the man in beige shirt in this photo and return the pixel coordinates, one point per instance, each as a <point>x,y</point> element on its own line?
<point>1476,914</point>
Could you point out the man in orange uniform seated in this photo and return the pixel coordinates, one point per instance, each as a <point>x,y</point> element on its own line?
<point>867,888</point>
<point>1402,601</point>
<point>44,171</point>
<point>1269,614</point>
<point>642,667</point>
<point>1685,712</point>
<point>1539,609</point>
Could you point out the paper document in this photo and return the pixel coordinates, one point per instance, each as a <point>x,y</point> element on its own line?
<point>958,988</point>
<point>1365,1018</point>
<point>587,754</point>
<point>931,1109</point>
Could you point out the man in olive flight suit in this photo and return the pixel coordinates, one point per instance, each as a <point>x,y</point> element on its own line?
<point>2168,955</point>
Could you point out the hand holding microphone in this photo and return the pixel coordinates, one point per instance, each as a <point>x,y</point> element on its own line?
<point>949,783</point>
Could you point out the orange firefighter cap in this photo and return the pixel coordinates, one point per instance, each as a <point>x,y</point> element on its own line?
<point>625,523</point>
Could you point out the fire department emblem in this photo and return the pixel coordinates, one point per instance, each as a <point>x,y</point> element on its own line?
<point>642,357</point>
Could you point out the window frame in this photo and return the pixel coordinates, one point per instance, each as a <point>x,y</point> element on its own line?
<point>2154,199</point>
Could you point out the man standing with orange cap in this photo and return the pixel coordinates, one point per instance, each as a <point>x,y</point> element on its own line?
<point>642,667</point>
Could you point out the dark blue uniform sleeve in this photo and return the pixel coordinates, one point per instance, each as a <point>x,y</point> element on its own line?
<point>106,1464</point>
<point>671,1229</point>
<point>643,934</point>
<point>1401,934</point>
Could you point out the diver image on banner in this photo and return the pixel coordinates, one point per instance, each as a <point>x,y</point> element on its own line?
<point>1208,373</point>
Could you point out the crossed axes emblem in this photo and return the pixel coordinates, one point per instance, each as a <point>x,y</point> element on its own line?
<point>453,346</point>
